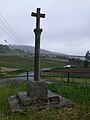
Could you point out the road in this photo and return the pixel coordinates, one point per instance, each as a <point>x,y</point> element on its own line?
<point>21,77</point>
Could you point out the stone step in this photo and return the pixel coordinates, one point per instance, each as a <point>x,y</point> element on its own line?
<point>17,103</point>
<point>26,100</point>
<point>14,104</point>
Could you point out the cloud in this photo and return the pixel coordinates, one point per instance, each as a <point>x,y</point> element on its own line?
<point>66,25</point>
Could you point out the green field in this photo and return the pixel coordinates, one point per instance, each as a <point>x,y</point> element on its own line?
<point>16,62</point>
<point>27,62</point>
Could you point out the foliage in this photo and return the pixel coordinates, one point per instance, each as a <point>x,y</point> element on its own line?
<point>86,63</point>
<point>76,62</point>
<point>87,56</point>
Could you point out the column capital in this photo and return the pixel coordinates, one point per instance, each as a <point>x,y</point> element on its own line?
<point>38,31</point>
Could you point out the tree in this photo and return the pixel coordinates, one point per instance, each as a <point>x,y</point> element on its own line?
<point>86,63</point>
<point>87,56</point>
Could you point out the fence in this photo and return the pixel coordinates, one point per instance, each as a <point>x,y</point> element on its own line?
<point>60,73</point>
<point>67,73</point>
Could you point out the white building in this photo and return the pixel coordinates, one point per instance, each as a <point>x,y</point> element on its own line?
<point>77,57</point>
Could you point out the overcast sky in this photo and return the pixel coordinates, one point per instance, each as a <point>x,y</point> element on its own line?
<point>66,27</point>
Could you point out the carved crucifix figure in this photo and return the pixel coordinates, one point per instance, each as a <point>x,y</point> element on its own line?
<point>37,32</point>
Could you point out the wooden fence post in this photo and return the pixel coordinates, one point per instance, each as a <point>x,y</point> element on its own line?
<point>68,76</point>
<point>27,75</point>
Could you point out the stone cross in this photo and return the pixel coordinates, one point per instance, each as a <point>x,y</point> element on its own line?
<point>37,32</point>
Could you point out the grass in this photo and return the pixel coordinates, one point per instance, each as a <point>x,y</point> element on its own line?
<point>16,62</point>
<point>10,72</point>
<point>64,77</point>
<point>76,92</point>
<point>5,69</point>
<point>5,91</point>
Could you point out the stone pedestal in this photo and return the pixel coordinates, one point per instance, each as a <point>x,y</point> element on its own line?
<point>37,94</point>
<point>37,89</point>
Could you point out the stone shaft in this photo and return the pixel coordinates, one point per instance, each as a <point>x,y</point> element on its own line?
<point>37,55</point>
<point>37,32</point>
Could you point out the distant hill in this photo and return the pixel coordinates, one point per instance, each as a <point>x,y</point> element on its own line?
<point>30,49</point>
<point>5,50</point>
<point>23,50</point>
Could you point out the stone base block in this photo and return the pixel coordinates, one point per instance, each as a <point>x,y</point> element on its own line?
<point>37,89</point>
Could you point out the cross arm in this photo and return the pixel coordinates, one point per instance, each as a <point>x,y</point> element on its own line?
<point>42,15</point>
<point>35,15</point>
